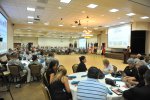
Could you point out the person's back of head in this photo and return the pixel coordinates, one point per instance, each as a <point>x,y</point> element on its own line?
<point>141,58</point>
<point>93,72</point>
<point>51,54</point>
<point>52,64</point>
<point>147,77</point>
<point>81,58</point>
<point>14,56</point>
<point>34,57</point>
<point>60,73</point>
<point>106,62</point>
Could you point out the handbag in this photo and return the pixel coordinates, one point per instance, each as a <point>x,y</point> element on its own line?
<point>110,82</point>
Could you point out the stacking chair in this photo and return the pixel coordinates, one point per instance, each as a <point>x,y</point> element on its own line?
<point>35,71</point>
<point>45,80</point>
<point>74,68</point>
<point>4,75</point>
<point>46,92</point>
<point>15,72</point>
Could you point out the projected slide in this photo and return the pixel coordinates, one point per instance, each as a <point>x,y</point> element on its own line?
<point>3,34</point>
<point>82,43</point>
<point>119,36</point>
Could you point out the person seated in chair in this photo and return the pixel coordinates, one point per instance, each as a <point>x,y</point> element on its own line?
<point>139,93</point>
<point>82,66</point>
<point>92,89</point>
<point>60,89</point>
<point>15,61</point>
<point>35,61</point>
<point>108,67</point>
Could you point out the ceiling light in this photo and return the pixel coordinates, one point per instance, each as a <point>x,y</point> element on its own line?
<point>30,22</point>
<point>61,25</point>
<point>65,1</point>
<point>130,14</point>
<point>113,10</point>
<point>30,9</point>
<point>59,7</point>
<point>46,23</point>
<point>106,26</point>
<point>92,6</point>
<point>144,17</point>
<point>73,26</point>
<point>122,22</point>
<point>29,30</point>
<point>30,17</point>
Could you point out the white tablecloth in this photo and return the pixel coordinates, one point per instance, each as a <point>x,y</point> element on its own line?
<point>79,78</point>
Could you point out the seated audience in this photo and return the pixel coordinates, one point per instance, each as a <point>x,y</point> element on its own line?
<point>138,79</point>
<point>52,69</point>
<point>108,67</point>
<point>50,58</point>
<point>35,61</point>
<point>82,66</point>
<point>15,61</point>
<point>130,71</point>
<point>139,93</point>
<point>92,89</point>
<point>60,89</point>
<point>28,55</point>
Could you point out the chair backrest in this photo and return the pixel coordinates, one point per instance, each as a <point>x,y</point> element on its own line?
<point>46,92</point>
<point>35,69</point>
<point>114,68</point>
<point>74,68</point>
<point>14,70</point>
<point>45,80</point>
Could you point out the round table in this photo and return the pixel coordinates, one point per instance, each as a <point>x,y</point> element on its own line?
<point>79,78</point>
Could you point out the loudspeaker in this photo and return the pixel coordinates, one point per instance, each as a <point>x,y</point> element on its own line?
<point>1,39</point>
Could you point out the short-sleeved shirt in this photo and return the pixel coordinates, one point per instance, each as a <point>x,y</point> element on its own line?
<point>131,71</point>
<point>91,89</point>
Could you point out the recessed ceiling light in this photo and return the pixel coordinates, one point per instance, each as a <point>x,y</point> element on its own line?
<point>61,25</point>
<point>30,9</point>
<point>59,7</point>
<point>30,17</point>
<point>113,10</point>
<point>92,6</point>
<point>30,22</point>
<point>106,26</point>
<point>130,14</point>
<point>29,30</point>
<point>122,22</point>
<point>102,15</point>
<point>144,17</point>
<point>65,1</point>
<point>118,18</point>
<point>73,26</point>
<point>46,23</point>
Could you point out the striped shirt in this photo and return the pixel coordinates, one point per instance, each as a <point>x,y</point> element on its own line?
<point>91,89</point>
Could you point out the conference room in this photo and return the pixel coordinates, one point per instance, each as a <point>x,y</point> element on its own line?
<point>74,50</point>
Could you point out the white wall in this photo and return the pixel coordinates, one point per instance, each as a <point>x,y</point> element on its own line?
<point>54,42</point>
<point>26,40</point>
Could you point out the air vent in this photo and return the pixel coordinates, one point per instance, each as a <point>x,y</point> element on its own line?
<point>43,1</point>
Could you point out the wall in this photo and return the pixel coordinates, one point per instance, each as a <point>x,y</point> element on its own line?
<point>26,40</point>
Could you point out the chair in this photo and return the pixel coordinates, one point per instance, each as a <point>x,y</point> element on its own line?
<point>74,68</point>
<point>46,92</point>
<point>15,72</point>
<point>45,80</point>
<point>114,68</point>
<point>4,75</point>
<point>35,71</point>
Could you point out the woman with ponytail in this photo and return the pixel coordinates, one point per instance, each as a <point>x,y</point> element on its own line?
<point>60,89</point>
